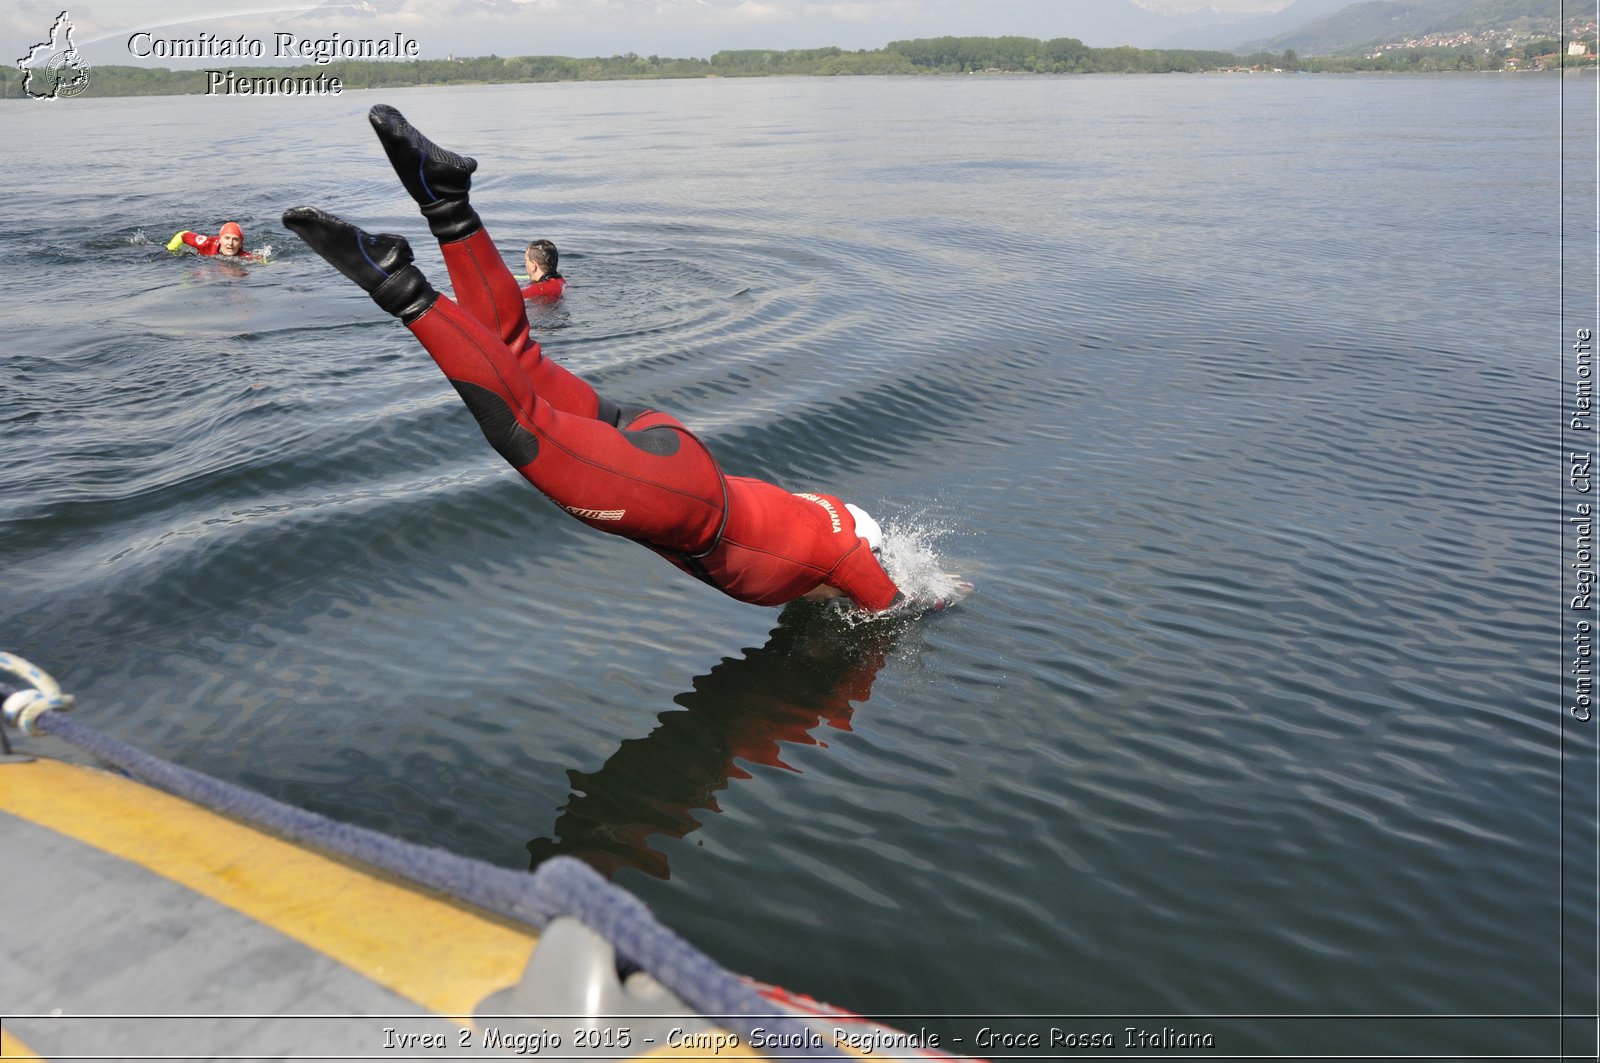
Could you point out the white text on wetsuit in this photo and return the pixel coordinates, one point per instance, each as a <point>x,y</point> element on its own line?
<point>833,514</point>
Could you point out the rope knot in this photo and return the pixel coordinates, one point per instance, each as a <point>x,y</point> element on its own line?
<point>23,708</point>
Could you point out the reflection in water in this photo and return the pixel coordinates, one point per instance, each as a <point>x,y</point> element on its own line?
<point>212,272</point>
<point>811,671</point>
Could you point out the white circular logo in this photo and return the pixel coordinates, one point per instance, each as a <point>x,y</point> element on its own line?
<point>68,74</point>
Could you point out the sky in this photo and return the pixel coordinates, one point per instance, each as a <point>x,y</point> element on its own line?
<point>102,29</point>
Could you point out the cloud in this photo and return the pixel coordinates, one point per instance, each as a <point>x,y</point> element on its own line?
<point>761,12</point>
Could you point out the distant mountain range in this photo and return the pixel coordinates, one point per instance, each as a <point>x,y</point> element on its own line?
<point>1229,33</point>
<point>1362,26</point>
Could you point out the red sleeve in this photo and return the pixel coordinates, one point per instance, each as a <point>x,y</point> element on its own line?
<point>549,288</point>
<point>859,575</point>
<point>206,245</point>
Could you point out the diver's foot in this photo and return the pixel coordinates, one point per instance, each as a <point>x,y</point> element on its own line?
<point>429,172</point>
<point>367,259</point>
<point>380,264</point>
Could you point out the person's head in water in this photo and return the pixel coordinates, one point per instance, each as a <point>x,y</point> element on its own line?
<point>541,258</point>
<point>230,241</point>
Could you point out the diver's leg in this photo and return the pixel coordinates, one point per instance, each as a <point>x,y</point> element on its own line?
<point>440,180</point>
<point>657,485</point>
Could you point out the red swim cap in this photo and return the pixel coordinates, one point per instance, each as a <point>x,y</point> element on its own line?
<point>232,227</point>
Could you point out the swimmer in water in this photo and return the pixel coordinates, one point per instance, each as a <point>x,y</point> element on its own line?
<point>228,243</point>
<point>630,471</point>
<point>541,258</point>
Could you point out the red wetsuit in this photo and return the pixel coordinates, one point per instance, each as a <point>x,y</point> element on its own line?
<point>550,287</point>
<point>641,475</point>
<point>207,245</point>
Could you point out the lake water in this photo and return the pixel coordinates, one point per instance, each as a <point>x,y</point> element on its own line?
<point>1238,398</point>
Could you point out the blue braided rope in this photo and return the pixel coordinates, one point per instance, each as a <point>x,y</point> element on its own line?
<point>560,886</point>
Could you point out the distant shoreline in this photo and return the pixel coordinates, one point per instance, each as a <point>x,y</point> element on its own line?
<point>931,56</point>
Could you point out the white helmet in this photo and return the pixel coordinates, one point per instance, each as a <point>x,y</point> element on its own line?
<point>866,527</point>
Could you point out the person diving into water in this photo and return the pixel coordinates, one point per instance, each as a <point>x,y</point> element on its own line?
<point>631,471</point>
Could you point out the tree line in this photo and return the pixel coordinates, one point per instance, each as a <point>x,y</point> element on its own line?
<point>1444,59</point>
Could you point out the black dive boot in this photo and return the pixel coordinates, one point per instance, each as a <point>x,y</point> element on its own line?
<point>436,178</point>
<point>380,264</point>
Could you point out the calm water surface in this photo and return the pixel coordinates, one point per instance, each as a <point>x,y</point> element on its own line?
<point>1236,397</point>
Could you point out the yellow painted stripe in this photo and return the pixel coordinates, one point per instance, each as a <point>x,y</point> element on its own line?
<point>11,1047</point>
<point>443,957</point>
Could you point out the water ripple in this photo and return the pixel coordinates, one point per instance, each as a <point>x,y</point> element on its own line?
<point>1220,392</point>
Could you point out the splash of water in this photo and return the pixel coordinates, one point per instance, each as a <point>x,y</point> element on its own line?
<point>910,555</point>
<point>138,239</point>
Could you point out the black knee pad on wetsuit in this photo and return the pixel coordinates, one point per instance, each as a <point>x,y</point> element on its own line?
<point>616,415</point>
<point>500,427</point>
<point>659,440</point>
<point>519,446</point>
